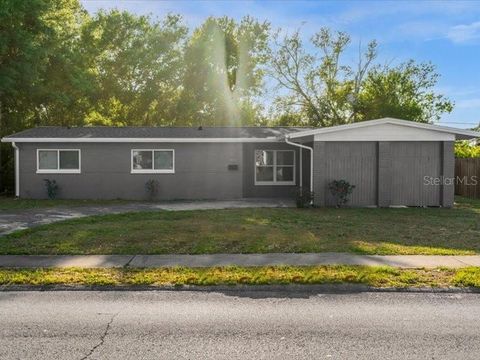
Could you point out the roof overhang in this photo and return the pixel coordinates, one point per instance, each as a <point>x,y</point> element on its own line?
<point>456,134</point>
<point>142,140</point>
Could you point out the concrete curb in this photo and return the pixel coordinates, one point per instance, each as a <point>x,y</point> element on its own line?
<point>291,289</point>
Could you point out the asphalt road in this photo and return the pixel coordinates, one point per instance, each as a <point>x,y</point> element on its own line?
<point>230,325</point>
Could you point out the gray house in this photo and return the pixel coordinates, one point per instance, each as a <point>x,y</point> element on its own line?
<point>390,161</point>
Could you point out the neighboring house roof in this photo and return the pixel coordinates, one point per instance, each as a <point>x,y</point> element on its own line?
<point>105,134</point>
<point>392,126</point>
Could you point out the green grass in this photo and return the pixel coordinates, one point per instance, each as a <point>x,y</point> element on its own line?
<point>371,276</point>
<point>8,203</point>
<point>365,231</point>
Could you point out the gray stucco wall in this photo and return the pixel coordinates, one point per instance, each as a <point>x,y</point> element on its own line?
<point>201,172</point>
<point>266,191</point>
<point>386,173</point>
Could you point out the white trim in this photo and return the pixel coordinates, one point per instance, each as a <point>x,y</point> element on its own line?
<point>58,170</point>
<point>144,140</point>
<point>361,124</point>
<point>274,166</point>
<point>152,171</point>
<point>17,169</point>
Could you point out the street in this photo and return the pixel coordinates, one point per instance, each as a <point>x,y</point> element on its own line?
<point>238,325</point>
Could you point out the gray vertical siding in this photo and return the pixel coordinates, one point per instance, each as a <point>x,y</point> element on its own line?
<point>201,172</point>
<point>319,173</point>
<point>355,162</point>
<point>267,191</point>
<point>448,172</point>
<point>411,163</point>
<point>384,152</point>
<point>385,173</point>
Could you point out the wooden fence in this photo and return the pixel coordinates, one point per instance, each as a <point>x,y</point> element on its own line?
<point>467,176</point>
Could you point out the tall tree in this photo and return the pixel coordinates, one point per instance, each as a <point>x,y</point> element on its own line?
<point>224,62</point>
<point>322,90</point>
<point>36,39</point>
<point>136,66</point>
<point>405,91</point>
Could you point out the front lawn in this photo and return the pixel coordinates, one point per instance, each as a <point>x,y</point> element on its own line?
<point>365,231</point>
<point>365,275</point>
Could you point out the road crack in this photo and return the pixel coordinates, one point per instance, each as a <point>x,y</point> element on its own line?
<point>102,338</point>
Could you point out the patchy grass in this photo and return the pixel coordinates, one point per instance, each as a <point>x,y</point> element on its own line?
<point>371,276</point>
<point>8,203</point>
<point>365,231</point>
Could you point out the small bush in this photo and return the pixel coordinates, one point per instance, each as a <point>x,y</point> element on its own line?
<point>464,149</point>
<point>151,187</point>
<point>52,188</point>
<point>341,189</point>
<point>304,197</point>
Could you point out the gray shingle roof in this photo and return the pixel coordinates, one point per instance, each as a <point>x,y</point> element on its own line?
<point>155,132</point>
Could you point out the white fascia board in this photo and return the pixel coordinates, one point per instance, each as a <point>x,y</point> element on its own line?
<point>143,140</point>
<point>407,123</point>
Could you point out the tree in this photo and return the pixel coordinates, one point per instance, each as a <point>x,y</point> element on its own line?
<point>324,91</point>
<point>319,87</point>
<point>465,149</point>
<point>136,64</point>
<point>36,39</point>
<point>224,63</point>
<point>405,91</point>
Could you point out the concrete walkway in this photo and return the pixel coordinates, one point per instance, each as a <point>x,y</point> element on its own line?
<point>11,221</point>
<point>152,261</point>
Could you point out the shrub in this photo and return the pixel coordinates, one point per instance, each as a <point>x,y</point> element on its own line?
<point>304,197</point>
<point>52,188</point>
<point>341,189</point>
<point>464,149</point>
<point>151,187</point>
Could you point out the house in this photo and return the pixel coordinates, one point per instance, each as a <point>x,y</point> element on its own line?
<point>390,162</point>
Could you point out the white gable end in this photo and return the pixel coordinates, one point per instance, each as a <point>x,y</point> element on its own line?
<point>385,132</point>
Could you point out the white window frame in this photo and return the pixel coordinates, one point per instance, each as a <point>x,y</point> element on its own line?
<point>58,170</point>
<point>152,171</point>
<point>274,166</point>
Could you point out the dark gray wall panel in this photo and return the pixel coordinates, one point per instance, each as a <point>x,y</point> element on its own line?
<point>448,172</point>
<point>355,162</point>
<point>411,163</point>
<point>200,172</point>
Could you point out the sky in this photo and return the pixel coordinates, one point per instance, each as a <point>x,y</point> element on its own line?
<point>447,33</point>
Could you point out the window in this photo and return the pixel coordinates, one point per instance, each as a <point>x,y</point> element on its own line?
<point>150,161</point>
<point>274,167</point>
<point>58,161</point>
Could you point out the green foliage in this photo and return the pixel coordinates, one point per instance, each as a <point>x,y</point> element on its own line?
<point>341,190</point>
<point>404,92</point>
<point>464,149</point>
<point>324,90</point>
<point>303,197</point>
<point>135,65</point>
<point>52,188</point>
<point>224,62</point>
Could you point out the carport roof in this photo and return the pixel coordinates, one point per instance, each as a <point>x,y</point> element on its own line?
<point>460,134</point>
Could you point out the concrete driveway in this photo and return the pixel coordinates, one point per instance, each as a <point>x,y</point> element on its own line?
<point>22,219</point>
